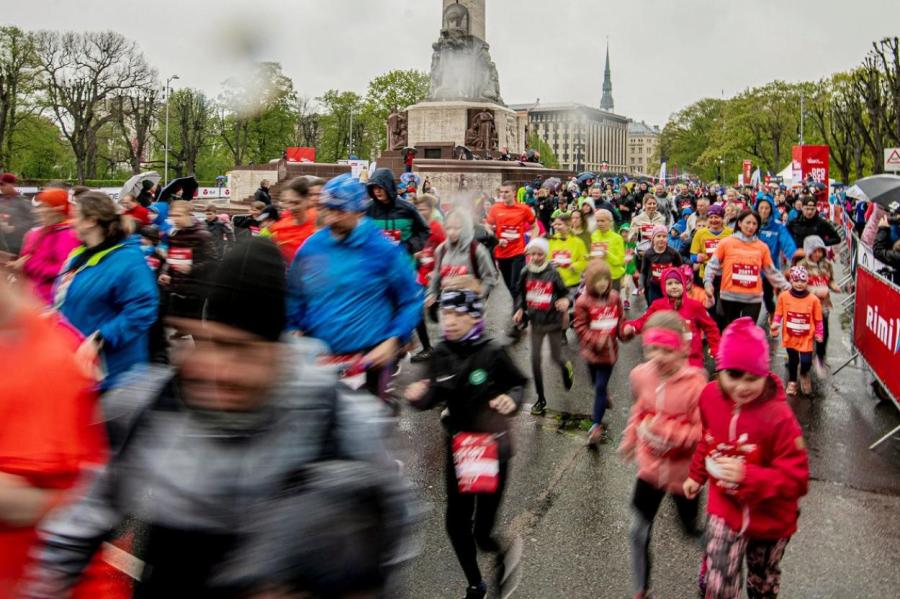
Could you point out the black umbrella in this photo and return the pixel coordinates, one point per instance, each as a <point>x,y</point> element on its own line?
<point>585,176</point>
<point>883,190</point>
<point>186,185</point>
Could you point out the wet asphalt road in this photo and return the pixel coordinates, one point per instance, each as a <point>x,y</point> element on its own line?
<point>571,505</point>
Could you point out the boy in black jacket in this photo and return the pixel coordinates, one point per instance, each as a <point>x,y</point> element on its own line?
<point>542,300</point>
<point>476,379</point>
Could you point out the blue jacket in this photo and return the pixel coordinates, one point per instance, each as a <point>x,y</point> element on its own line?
<point>114,293</point>
<point>353,293</point>
<point>775,235</point>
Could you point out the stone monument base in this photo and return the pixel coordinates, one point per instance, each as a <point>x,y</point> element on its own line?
<point>435,123</point>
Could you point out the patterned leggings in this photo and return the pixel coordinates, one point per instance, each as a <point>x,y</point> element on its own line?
<point>725,551</point>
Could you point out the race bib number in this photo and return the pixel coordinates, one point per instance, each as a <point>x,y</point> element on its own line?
<point>539,295</point>
<point>476,460</point>
<point>393,235</point>
<point>254,231</point>
<point>656,270</point>
<point>153,262</point>
<point>510,232</point>
<point>599,249</point>
<point>351,368</point>
<point>818,281</point>
<point>180,257</point>
<point>562,258</point>
<point>711,245</point>
<point>745,275</point>
<point>798,324</point>
<point>427,258</point>
<point>647,231</point>
<point>603,319</point>
<point>448,272</point>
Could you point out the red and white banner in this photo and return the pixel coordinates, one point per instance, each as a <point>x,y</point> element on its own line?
<point>876,327</point>
<point>810,162</point>
<point>747,167</point>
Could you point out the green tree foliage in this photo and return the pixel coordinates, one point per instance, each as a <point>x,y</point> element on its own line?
<point>340,111</point>
<point>548,158</point>
<point>395,90</point>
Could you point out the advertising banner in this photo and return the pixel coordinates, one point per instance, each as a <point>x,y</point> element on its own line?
<point>876,327</point>
<point>747,167</point>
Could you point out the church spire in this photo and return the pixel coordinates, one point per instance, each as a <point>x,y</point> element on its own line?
<point>606,103</point>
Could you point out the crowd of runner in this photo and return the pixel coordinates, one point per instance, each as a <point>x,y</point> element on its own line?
<point>235,359</point>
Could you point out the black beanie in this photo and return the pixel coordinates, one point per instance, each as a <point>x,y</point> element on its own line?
<point>247,290</point>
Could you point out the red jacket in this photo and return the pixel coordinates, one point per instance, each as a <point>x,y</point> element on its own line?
<point>598,322</point>
<point>766,435</point>
<point>426,260</point>
<point>698,320</point>
<point>140,214</point>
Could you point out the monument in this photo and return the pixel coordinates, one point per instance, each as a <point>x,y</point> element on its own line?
<point>464,106</point>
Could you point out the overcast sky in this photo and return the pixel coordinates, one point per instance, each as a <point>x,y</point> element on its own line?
<point>665,54</point>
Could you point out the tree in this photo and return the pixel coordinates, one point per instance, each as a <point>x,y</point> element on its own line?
<point>688,136</point>
<point>339,110</point>
<point>395,90</point>
<point>191,126</point>
<point>83,73</point>
<point>134,115</point>
<point>307,127</point>
<point>548,157</point>
<point>17,78</point>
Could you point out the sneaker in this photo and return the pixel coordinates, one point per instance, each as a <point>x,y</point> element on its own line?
<point>568,374</point>
<point>819,367</point>
<point>597,435</point>
<point>509,574</point>
<point>627,304</point>
<point>422,356</point>
<point>397,370</point>
<point>564,418</point>
<point>539,408</point>
<point>805,384</point>
<point>791,389</point>
<point>634,292</point>
<point>478,591</point>
<point>514,332</point>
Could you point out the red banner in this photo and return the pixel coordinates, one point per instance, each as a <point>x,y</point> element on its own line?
<point>300,154</point>
<point>747,167</point>
<point>876,327</point>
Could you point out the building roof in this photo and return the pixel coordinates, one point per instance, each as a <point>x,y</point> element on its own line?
<point>564,107</point>
<point>642,128</point>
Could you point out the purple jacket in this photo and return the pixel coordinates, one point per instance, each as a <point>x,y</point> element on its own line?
<point>47,249</point>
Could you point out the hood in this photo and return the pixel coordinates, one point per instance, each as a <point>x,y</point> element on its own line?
<point>812,243</point>
<point>774,391</point>
<point>384,178</point>
<point>467,234</point>
<point>771,204</point>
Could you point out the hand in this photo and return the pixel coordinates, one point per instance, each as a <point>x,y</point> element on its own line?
<point>884,222</point>
<point>517,317</point>
<point>503,404</point>
<point>429,300</point>
<point>86,357</point>
<point>684,236</point>
<point>774,330</point>
<point>164,279</point>
<point>416,391</point>
<point>20,263</point>
<point>418,255</point>
<point>701,258</point>
<point>731,470</point>
<point>820,339</point>
<point>691,488</point>
<point>628,331</point>
<point>503,242</point>
<point>382,355</point>
<point>562,304</point>
<point>182,268</point>
<point>710,290</point>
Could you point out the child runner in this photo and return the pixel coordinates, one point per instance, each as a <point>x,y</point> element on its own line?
<point>656,259</point>
<point>662,433</point>
<point>693,286</point>
<point>542,299</point>
<point>699,322</point>
<point>821,284</point>
<point>801,313</point>
<point>608,245</point>
<point>598,321</point>
<point>569,256</point>
<point>753,451</point>
<point>630,265</point>
<point>481,387</point>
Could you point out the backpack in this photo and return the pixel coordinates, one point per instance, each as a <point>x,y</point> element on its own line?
<point>473,260</point>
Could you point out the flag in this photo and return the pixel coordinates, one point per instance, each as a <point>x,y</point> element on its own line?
<point>662,172</point>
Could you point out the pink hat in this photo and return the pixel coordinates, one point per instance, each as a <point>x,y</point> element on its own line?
<point>672,273</point>
<point>744,347</point>
<point>657,230</point>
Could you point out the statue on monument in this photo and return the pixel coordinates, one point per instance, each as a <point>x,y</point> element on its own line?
<point>456,18</point>
<point>397,130</point>
<point>484,131</point>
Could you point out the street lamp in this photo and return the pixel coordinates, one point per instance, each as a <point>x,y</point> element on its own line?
<point>719,163</point>
<point>166,168</point>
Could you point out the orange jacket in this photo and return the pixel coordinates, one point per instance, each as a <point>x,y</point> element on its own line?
<point>289,236</point>
<point>801,320</point>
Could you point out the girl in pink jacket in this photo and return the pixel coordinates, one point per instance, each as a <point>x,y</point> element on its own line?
<point>46,248</point>
<point>662,433</point>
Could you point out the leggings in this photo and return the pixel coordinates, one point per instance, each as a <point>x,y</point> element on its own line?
<point>645,503</point>
<point>510,269</point>
<point>823,346</point>
<point>734,310</point>
<point>600,375</point>
<point>470,520</point>
<point>653,292</point>
<point>768,296</point>
<point>797,360</point>
<point>725,551</point>
<point>537,342</point>
<point>422,331</point>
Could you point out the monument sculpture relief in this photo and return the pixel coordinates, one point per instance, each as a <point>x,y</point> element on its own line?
<point>482,132</point>
<point>397,130</point>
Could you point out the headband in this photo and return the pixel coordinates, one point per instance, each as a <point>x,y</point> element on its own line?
<point>663,338</point>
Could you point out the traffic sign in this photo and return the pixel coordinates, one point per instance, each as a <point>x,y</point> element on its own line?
<point>892,159</point>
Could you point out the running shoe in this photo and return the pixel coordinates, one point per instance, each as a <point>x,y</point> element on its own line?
<point>597,435</point>
<point>820,368</point>
<point>478,591</point>
<point>627,304</point>
<point>422,356</point>
<point>539,408</point>
<point>805,384</point>
<point>791,389</point>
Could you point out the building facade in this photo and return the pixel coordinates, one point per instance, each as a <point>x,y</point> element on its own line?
<point>643,143</point>
<point>583,138</point>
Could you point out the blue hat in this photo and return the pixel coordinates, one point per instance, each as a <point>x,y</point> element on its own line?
<point>345,193</point>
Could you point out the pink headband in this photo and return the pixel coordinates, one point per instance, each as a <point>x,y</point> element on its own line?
<point>663,338</point>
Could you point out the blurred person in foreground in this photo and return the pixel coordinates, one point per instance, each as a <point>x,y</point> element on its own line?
<point>15,217</point>
<point>46,247</point>
<point>106,290</point>
<point>352,288</point>
<point>47,433</point>
<point>204,448</point>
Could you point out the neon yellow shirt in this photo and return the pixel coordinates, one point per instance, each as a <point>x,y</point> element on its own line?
<point>610,247</point>
<point>569,256</point>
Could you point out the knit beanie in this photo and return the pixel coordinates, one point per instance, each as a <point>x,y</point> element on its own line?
<point>247,290</point>
<point>672,273</point>
<point>345,193</point>
<point>538,243</point>
<point>55,197</point>
<point>657,230</point>
<point>744,347</point>
<point>463,301</point>
<point>716,210</point>
<point>798,273</point>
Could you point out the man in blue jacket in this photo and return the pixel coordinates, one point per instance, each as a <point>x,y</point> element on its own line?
<point>775,235</point>
<point>352,288</point>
